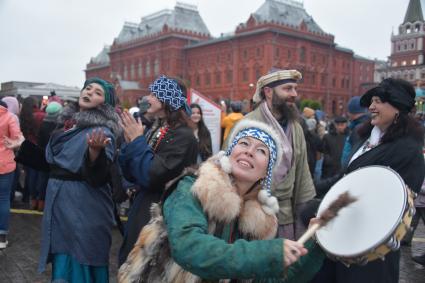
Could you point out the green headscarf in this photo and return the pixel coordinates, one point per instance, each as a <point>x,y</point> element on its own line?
<point>108,88</point>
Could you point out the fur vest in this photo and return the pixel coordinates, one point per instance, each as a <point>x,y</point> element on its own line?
<point>151,261</point>
<point>103,115</point>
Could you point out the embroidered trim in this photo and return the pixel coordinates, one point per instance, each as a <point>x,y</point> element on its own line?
<point>159,136</point>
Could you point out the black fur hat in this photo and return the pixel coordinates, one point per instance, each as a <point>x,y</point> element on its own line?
<point>397,92</point>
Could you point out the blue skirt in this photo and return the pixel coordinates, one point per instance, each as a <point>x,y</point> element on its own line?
<point>67,269</point>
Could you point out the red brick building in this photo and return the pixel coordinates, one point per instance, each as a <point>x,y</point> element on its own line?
<point>407,48</point>
<point>280,34</point>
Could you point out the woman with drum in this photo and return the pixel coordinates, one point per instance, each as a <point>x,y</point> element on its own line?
<point>394,139</point>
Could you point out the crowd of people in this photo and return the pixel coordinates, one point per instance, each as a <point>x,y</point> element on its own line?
<point>198,215</point>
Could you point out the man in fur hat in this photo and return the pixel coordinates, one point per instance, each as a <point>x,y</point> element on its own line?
<point>292,183</point>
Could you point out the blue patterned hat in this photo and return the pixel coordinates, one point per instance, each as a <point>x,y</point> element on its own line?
<point>169,92</point>
<point>263,133</point>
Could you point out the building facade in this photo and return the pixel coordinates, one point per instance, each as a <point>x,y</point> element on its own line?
<point>280,34</point>
<point>407,48</point>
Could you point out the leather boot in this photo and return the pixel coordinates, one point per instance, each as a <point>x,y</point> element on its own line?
<point>33,205</point>
<point>40,205</point>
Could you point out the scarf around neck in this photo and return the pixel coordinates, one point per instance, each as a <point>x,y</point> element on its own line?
<point>281,169</point>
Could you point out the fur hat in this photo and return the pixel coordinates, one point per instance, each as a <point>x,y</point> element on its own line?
<point>397,92</point>
<point>274,79</point>
<point>264,133</point>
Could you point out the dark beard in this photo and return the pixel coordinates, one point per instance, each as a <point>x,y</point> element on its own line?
<point>281,110</point>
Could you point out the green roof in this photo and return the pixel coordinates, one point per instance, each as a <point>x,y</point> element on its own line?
<point>414,12</point>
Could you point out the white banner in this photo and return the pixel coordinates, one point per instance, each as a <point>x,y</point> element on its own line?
<point>211,115</point>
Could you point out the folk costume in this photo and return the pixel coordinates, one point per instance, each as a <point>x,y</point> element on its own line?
<point>154,159</point>
<point>206,231</point>
<point>403,154</point>
<point>292,182</point>
<point>78,215</point>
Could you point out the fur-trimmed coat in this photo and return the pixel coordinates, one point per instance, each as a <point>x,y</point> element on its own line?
<point>78,215</point>
<point>206,231</point>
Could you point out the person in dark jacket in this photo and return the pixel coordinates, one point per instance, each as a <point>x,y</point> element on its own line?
<point>48,125</point>
<point>153,159</point>
<point>201,133</point>
<point>313,143</point>
<point>30,121</point>
<point>357,115</point>
<point>394,139</point>
<point>333,144</point>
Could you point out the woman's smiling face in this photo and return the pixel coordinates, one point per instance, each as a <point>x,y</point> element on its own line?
<point>249,160</point>
<point>382,113</point>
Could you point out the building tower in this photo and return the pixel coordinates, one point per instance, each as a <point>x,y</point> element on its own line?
<point>407,47</point>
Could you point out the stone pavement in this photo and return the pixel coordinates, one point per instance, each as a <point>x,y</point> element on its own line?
<point>18,263</point>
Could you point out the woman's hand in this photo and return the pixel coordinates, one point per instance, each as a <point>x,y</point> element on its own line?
<point>96,140</point>
<point>292,251</point>
<point>132,128</point>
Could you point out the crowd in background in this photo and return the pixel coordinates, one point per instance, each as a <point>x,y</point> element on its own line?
<point>143,149</point>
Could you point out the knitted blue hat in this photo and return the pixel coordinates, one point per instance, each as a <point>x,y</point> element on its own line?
<point>354,106</point>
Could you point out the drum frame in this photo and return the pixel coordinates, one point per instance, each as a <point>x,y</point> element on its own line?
<point>390,243</point>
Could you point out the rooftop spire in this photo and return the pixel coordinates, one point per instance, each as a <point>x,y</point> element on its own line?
<point>414,12</point>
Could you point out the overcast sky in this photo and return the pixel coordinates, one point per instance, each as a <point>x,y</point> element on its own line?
<point>53,40</point>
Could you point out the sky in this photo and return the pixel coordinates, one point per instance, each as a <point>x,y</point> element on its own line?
<point>53,40</point>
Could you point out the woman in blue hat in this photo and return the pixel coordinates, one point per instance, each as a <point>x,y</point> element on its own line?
<point>78,215</point>
<point>220,224</point>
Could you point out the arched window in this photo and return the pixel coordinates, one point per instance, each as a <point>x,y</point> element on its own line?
<point>217,77</point>
<point>245,74</point>
<point>132,72</point>
<point>408,29</point>
<point>417,27</point>
<point>207,78</point>
<point>124,72</point>
<point>140,70</point>
<point>229,76</point>
<point>148,68</point>
<point>156,67</point>
<point>302,54</point>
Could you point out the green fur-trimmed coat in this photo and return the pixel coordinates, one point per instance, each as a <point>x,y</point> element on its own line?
<point>206,232</point>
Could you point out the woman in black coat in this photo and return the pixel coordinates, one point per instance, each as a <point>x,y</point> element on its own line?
<point>153,159</point>
<point>391,138</point>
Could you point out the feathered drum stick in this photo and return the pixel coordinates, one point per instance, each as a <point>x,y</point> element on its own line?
<point>327,215</point>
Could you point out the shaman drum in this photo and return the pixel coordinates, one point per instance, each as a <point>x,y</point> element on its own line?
<point>373,225</point>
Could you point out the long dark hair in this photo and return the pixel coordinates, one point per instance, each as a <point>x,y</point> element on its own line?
<point>204,135</point>
<point>26,118</point>
<point>176,118</point>
<point>404,125</point>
